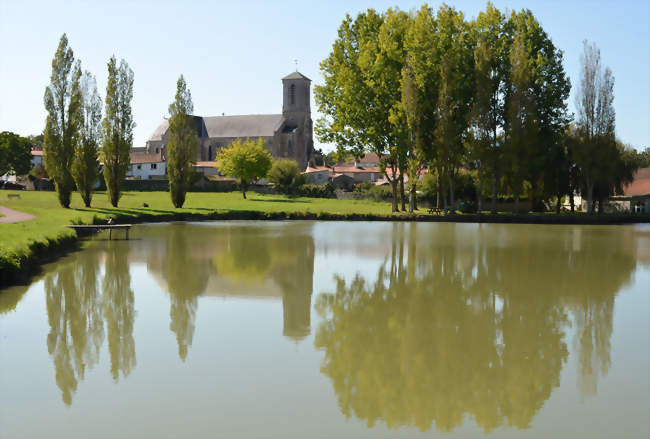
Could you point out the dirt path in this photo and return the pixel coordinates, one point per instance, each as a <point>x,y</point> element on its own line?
<point>13,216</point>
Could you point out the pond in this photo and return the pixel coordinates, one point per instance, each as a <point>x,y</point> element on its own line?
<point>333,330</point>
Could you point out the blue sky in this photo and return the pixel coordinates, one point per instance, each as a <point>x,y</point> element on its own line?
<point>234,53</point>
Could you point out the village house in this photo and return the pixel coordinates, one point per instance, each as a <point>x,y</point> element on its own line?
<point>636,195</point>
<point>147,166</point>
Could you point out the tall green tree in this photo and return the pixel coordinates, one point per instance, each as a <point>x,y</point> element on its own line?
<point>361,87</point>
<point>522,118</point>
<point>595,122</point>
<point>181,148</point>
<point>549,87</point>
<point>455,98</point>
<point>117,127</point>
<point>63,105</point>
<point>488,111</point>
<point>246,160</point>
<point>15,154</point>
<point>85,165</point>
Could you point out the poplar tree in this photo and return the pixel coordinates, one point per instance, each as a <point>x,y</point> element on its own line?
<point>63,105</point>
<point>117,127</point>
<point>85,164</point>
<point>488,111</point>
<point>595,122</point>
<point>523,126</point>
<point>181,148</point>
<point>455,96</point>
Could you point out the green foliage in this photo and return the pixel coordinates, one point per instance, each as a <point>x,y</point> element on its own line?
<point>286,176</point>
<point>85,166</point>
<point>246,160</point>
<point>373,192</point>
<point>433,88</point>
<point>181,148</point>
<point>360,97</point>
<point>63,105</point>
<point>15,153</point>
<point>317,190</point>
<point>117,127</point>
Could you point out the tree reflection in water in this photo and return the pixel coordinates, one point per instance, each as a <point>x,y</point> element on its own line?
<point>471,321</point>
<point>77,310</point>
<point>119,311</point>
<point>74,310</point>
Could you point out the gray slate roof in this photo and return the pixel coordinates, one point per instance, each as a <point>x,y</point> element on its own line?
<point>296,75</point>
<point>254,125</point>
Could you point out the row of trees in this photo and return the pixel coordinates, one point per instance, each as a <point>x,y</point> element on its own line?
<point>75,130</point>
<point>432,89</point>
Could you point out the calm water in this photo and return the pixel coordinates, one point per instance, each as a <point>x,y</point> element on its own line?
<point>328,330</point>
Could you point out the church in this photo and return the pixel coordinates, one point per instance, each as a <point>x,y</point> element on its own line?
<point>287,135</point>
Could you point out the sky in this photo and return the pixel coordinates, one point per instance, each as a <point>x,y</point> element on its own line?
<point>233,54</point>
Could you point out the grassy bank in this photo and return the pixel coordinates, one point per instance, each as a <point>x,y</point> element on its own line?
<point>25,245</point>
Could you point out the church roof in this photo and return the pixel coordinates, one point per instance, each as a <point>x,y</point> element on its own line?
<point>296,75</point>
<point>252,125</point>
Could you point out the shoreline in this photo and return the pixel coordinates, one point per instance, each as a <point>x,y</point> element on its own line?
<point>21,271</point>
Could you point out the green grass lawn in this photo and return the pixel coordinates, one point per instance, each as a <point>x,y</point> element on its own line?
<point>18,239</point>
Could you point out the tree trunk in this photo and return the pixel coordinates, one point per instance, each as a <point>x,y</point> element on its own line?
<point>558,204</point>
<point>452,201</point>
<point>401,191</point>
<point>438,191</point>
<point>572,201</point>
<point>479,196</point>
<point>412,199</point>
<point>493,203</point>
<point>590,198</point>
<point>393,184</point>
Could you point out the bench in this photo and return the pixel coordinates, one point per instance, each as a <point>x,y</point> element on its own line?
<point>10,196</point>
<point>436,210</point>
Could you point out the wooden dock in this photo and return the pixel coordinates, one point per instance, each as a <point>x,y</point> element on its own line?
<point>98,227</point>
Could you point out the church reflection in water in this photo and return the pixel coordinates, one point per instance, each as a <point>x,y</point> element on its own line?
<point>472,321</point>
<point>458,321</point>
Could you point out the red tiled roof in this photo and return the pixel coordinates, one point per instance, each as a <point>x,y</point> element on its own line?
<point>138,159</point>
<point>356,169</point>
<point>640,185</point>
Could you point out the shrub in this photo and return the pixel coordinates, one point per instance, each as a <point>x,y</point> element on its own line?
<point>286,176</point>
<point>317,190</point>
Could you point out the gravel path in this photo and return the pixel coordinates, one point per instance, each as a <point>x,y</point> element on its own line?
<point>13,216</point>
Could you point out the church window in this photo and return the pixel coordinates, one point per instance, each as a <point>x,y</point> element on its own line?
<point>210,152</point>
<point>292,94</point>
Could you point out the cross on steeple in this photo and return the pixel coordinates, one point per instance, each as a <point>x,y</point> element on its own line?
<point>295,61</point>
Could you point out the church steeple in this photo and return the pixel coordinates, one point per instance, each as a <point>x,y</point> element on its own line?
<point>296,95</point>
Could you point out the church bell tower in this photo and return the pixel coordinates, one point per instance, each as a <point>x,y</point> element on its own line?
<point>296,96</point>
<point>296,110</point>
